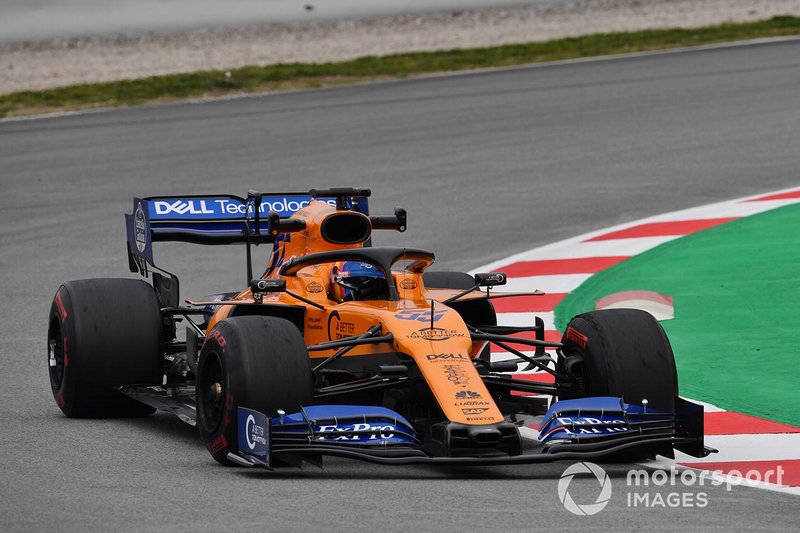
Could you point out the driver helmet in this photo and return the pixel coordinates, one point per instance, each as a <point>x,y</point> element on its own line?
<point>355,280</point>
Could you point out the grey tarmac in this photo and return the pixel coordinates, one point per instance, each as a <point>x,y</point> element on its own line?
<point>487,164</point>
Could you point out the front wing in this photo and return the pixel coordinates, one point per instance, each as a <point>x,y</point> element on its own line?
<point>589,428</point>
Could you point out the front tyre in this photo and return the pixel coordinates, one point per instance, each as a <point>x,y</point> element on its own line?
<point>620,352</point>
<point>256,362</point>
<point>103,333</point>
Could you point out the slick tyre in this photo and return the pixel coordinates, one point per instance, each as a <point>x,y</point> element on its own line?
<point>620,352</point>
<point>256,362</point>
<point>103,333</point>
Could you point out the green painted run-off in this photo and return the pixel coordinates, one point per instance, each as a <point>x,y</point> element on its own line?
<point>736,332</point>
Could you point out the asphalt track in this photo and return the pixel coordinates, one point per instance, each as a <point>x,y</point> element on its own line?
<point>487,164</point>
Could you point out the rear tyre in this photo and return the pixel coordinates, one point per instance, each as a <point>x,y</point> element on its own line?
<point>620,352</point>
<point>256,362</point>
<point>103,333</point>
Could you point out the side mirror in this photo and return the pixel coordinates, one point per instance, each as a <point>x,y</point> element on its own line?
<point>260,286</point>
<point>491,279</point>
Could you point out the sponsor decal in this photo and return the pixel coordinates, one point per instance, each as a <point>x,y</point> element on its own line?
<point>456,375</point>
<point>474,410</point>
<point>436,334</point>
<point>572,425</point>
<point>470,402</point>
<point>378,432</point>
<point>314,323</point>
<point>218,337</point>
<point>315,287</point>
<point>480,418</point>
<point>183,207</point>
<point>577,337</point>
<point>497,277</point>
<point>60,305</point>
<point>420,315</point>
<point>469,398</point>
<point>439,357</point>
<point>337,329</point>
<point>408,284</point>
<point>140,228</point>
<point>268,284</point>
<point>196,208</point>
<point>253,432</point>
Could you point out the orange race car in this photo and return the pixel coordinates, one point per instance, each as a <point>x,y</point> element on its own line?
<point>348,349</point>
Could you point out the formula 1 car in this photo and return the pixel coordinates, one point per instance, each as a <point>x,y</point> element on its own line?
<point>342,348</point>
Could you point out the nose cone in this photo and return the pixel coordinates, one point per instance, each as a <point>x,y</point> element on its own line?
<point>440,344</point>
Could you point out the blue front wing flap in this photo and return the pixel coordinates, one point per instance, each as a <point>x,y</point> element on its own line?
<point>597,418</point>
<point>571,429</point>
<point>348,425</point>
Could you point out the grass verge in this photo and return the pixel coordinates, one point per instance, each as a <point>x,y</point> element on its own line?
<point>735,332</point>
<point>310,75</point>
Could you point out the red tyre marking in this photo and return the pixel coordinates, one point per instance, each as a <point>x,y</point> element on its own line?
<point>217,444</point>
<point>60,305</point>
<point>578,338</point>
<point>60,400</point>
<point>66,347</point>
<point>219,338</point>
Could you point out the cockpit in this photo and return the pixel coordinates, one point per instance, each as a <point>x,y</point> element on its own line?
<point>360,274</point>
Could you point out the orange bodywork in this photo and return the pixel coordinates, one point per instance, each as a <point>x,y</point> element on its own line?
<point>442,349</point>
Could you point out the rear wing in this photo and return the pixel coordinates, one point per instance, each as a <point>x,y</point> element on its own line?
<point>217,219</point>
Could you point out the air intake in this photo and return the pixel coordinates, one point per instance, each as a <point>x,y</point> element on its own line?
<point>346,228</point>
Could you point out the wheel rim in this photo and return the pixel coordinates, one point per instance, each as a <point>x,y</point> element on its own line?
<point>55,353</point>
<point>211,392</point>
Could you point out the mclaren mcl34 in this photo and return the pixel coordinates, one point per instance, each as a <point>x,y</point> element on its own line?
<point>342,348</point>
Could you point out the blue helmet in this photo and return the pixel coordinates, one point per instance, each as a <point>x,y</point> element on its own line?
<point>354,280</point>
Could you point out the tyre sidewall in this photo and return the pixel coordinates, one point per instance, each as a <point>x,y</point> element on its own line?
<point>221,436</point>
<point>67,391</point>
